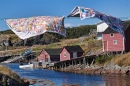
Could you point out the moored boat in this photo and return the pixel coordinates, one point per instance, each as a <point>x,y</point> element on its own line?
<point>26,66</point>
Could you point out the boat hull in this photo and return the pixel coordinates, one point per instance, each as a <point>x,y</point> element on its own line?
<point>26,66</point>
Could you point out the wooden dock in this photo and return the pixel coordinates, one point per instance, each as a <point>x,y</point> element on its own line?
<point>84,60</point>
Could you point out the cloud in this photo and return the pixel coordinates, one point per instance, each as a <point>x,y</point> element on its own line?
<point>79,24</point>
<point>69,25</point>
<point>73,25</point>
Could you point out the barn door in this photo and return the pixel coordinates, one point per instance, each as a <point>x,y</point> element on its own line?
<point>105,47</point>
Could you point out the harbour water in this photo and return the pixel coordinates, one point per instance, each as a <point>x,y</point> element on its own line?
<point>60,78</point>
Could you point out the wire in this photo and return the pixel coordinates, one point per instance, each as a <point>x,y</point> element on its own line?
<point>74,17</point>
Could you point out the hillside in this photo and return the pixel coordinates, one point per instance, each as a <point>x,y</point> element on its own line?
<point>88,43</point>
<point>47,37</point>
<point>86,40</point>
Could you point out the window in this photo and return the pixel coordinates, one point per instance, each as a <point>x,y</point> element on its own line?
<point>115,42</point>
<point>46,59</point>
<point>64,54</point>
<point>111,35</point>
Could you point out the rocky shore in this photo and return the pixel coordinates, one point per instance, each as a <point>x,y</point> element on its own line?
<point>110,68</point>
<point>10,78</point>
<point>38,82</point>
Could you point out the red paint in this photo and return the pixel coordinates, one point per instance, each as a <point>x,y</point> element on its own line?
<point>65,54</point>
<point>62,57</point>
<point>105,45</point>
<point>109,45</point>
<point>68,55</point>
<point>121,45</point>
<point>43,55</point>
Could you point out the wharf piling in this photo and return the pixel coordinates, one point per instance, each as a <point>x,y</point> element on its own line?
<point>84,61</point>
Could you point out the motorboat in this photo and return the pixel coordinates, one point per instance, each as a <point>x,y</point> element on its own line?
<point>30,65</point>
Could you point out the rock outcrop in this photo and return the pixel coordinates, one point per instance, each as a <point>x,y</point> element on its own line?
<point>110,68</point>
<point>10,78</point>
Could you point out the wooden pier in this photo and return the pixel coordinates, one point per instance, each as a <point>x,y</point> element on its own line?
<point>84,61</point>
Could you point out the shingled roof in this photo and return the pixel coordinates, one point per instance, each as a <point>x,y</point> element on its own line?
<point>72,49</point>
<point>126,24</point>
<point>55,51</point>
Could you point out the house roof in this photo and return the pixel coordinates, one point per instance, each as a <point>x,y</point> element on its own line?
<point>55,51</point>
<point>72,49</point>
<point>126,24</point>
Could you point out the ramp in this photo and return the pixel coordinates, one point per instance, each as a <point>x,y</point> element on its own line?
<point>12,59</point>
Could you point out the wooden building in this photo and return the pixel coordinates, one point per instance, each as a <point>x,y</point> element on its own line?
<point>101,27</point>
<point>69,52</point>
<point>49,55</point>
<point>114,41</point>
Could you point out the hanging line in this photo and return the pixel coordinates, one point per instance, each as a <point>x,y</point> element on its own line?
<point>122,18</point>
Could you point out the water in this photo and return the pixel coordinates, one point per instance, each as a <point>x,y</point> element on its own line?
<point>60,78</point>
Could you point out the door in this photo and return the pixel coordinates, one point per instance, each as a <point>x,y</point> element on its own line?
<point>74,54</point>
<point>105,46</point>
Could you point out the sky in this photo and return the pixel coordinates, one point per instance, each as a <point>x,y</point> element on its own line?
<point>29,8</point>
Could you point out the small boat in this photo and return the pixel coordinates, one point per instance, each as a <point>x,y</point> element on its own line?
<point>30,65</point>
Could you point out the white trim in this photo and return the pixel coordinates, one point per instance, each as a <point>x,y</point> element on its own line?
<point>123,44</point>
<point>49,60</point>
<point>115,42</point>
<point>103,45</point>
<point>107,45</point>
<point>60,56</point>
<point>69,55</point>
<point>103,42</point>
<point>64,54</point>
<point>111,34</point>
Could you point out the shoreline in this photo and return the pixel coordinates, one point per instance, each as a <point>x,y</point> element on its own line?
<point>27,81</point>
<point>80,69</point>
<point>10,78</point>
<point>38,82</point>
<point>95,69</point>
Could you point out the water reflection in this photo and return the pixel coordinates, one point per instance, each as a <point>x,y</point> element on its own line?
<point>60,78</point>
<point>117,80</point>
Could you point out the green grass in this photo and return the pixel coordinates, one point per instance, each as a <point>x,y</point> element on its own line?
<point>104,59</point>
<point>86,43</point>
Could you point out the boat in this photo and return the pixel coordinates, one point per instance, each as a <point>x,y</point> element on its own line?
<point>30,65</point>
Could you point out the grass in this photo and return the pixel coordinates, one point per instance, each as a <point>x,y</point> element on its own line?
<point>86,43</point>
<point>122,60</point>
<point>6,71</point>
<point>101,60</point>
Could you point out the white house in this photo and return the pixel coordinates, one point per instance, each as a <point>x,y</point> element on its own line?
<point>101,27</point>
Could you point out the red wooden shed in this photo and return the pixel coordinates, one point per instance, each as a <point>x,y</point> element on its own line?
<point>49,55</point>
<point>114,41</point>
<point>69,52</point>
